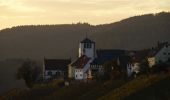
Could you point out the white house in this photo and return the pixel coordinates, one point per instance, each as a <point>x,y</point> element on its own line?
<point>81,68</point>
<point>55,68</point>
<point>160,54</point>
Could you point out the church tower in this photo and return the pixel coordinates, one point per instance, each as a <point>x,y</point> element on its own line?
<point>87,47</point>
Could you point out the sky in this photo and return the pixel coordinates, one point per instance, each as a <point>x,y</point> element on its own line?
<point>35,12</point>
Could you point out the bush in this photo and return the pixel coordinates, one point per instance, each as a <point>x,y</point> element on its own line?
<point>29,72</point>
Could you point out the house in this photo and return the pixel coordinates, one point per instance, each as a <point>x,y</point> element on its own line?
<point>105,55</point>
<point>80,68</point>
<point>55,68</point>
<point>138,59</point>
<point>159,54</point>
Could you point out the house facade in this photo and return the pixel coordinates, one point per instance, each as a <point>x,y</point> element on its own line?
<point>137,60</point>
<point>55,68</point>
<point>107,55</point>
<point>159,54</point>
<point>133,68</point>
<point>82,68</point>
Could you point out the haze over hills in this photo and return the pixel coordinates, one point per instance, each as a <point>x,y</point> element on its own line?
<point>61,41</point>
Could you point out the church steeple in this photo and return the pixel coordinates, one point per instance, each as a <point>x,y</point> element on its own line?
<point>87,47</point>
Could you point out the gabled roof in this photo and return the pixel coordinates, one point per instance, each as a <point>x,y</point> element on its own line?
<point>140,55</point>
<point>81,62</point>
<point>107,55</point>
<point>87,40</point>
<point>99,61</point>
<point>155,50</point>
<point>56,64</point>
<point>123,61</point>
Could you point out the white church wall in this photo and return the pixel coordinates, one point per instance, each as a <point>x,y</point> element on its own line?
<point>89,52</point>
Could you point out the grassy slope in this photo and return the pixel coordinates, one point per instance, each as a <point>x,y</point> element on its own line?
<point>134,86</point>
<point>143,86</point>
<point>75,92</point>
<point>158,91</point>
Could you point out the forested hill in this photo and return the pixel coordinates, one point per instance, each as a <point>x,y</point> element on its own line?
<point>61,41</point>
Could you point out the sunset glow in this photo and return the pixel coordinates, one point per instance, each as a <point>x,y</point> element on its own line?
<point>28,12</point>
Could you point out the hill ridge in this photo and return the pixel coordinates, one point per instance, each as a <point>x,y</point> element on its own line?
<point>50,40</point>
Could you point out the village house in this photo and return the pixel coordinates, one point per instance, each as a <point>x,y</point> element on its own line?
<point>55,68</point>
<point>138,59</point>
<point>81,68</point>
<point>105,55</point>
<point>159,54</point>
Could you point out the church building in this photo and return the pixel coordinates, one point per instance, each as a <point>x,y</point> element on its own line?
<point>80,68</point>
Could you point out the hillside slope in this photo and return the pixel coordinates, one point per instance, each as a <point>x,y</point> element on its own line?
<point>61,41</point>
<point>138,88</point>
<point>135,86</point>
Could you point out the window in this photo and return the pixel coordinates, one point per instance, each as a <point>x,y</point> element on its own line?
<point>49,73</point>
<point>57,73</point>
<point>76,75</point>
<point>87,45</point>
<point>80,74</point>
<point>164,53</point>
<point>168,53</point>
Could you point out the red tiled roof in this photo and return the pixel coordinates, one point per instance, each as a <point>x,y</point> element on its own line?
<point>81,61</point>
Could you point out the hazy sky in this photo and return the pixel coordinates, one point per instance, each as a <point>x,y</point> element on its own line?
<point>26,12</point>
